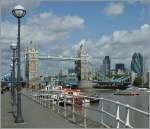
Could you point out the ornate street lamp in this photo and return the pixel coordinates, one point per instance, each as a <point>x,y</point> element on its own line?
<point>18,12</point>
<point>13,48</point>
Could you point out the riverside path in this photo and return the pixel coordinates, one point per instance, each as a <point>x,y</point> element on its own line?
<point>35,116</point>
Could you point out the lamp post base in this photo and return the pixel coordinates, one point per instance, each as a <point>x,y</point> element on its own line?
<point>19,120</point>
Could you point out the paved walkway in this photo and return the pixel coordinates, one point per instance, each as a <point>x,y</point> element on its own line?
<point>35,115</point>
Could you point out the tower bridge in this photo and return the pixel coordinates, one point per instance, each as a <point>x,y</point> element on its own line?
<point>81,61</point>
<point>32,56</point>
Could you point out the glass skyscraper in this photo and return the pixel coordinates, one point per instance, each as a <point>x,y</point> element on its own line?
<point>106,66</point>
<point>137,64</point>
<point>120,66</point>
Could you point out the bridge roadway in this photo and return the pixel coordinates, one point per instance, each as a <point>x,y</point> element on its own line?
<point>35,115</point>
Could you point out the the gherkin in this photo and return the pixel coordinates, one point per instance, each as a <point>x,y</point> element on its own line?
<point>137,64</point>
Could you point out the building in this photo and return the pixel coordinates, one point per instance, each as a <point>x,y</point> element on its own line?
<point>81,66</point>
<point>72,76</point>
<point>119,68</point>
<point>31,67</point>
<point>71,70</point>
<point>106,66</point>
<point>137,64</point>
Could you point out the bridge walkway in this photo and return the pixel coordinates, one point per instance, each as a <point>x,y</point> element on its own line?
<point>35,116</point>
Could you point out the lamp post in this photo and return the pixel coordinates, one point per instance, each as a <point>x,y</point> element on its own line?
<point>13,48</point>
<point>18,12</point>
<point>11,80</point>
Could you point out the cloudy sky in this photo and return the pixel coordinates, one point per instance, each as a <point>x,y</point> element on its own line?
<point>113,28</point>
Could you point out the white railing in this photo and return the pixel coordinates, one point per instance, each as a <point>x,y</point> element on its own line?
<point>43,97</point>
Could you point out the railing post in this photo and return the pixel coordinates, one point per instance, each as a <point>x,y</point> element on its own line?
<point>102,110</point>
<point>45,97</point>
<point>40,98</point>
<point>32,93</point>
<point>53,104</point>
<point>58,103</point>
<point>117,113</point>
<point>36,96</point>
<point>65,106</point>
<point>127,124</point>
<point>73,110</point>
<point>48,100</point>
<point>84,109</point>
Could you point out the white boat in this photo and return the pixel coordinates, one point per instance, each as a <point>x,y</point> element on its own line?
<point>86,100</point>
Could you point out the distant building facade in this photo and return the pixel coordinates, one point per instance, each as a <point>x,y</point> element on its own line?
<point>106,66</point>
<point>120,68</point>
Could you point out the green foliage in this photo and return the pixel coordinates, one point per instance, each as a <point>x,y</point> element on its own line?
<point>137,81</point>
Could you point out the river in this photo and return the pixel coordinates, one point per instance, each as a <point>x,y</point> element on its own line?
<point>136,119</point>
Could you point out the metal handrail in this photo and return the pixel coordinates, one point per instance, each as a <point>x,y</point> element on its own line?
<point>126,123</point>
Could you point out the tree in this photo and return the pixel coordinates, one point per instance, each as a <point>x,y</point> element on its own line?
<point>137,81</point>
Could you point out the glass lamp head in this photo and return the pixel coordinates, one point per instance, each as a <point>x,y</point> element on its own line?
<point>13,46</point>
<point>19,11</point>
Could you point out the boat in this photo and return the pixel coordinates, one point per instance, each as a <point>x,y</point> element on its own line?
<point>85,100</point>
<point>94,98</point>
<point>128,92</point>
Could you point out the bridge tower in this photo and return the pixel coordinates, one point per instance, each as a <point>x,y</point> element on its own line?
<point>31,70</point>
<point>81,66</point>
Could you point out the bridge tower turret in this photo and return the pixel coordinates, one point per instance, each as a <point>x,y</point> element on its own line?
<point>31,70</point>
<point>84,62</point>
<point>82,67</point>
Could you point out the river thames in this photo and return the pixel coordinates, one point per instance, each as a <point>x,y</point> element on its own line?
<point>137,120</point>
